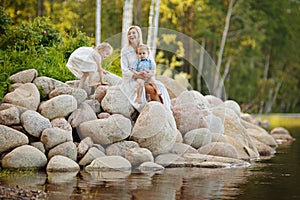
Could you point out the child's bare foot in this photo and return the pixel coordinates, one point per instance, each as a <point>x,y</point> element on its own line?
<point>139,100</point>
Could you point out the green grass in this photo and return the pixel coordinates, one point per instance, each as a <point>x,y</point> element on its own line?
<point>282,120</point>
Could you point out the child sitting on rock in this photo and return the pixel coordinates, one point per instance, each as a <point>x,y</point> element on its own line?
<point>144,65</point>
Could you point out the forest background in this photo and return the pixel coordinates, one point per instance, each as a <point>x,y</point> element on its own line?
<point>253,43</point>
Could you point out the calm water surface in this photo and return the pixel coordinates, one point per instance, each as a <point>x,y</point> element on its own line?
<point>271,178</point>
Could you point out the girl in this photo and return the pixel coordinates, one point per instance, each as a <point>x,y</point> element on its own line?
<point>85,61</point>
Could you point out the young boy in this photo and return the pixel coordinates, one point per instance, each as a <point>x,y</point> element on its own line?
<point>85,61</point>
<point>144,65</point>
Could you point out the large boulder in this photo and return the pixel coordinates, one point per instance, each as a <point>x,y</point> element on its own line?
<point>120,148</point>
<point>59,106</point>
<point>11,138</point>
<point>83,113</point>
<point>173,87</point>
<point>67,149</point>
<point>24,157</point>
<point>26,95</point>
<point>46,84</point>
<point>55,136</point>
<point>79,94</point>
<point>106,131</point>
<point>137,156</point>
<point>115,102</point>
<point>91,155</point>
<point>34,123</point>
<point>155,128</point>
<point>25,76</point>
<point>10,116</point>
<point>197,137</point>
<point>60,163</point>
<point>219,149</point>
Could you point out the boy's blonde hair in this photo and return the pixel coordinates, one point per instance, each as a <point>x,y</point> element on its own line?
<point>104,46</point>
<point>144,47</point>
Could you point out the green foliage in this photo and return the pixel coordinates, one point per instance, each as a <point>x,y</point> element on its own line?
<point>37,34</point>
<point>5,20</point>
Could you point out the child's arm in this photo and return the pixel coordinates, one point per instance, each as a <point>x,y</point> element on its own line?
<point>101,71</point>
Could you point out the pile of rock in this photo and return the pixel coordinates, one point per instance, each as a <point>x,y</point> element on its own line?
<point>70,130</point>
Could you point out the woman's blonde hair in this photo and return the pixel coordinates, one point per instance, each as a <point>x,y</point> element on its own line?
<point>104,46</point>
<point>139,31</point>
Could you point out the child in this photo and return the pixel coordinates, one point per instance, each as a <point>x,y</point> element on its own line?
<point>85,61</point>
<point>144,65</point>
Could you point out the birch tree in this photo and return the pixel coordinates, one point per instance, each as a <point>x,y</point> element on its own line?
<point>153,25</point>
<point>217,82</point>
<point>98,22</point>
<point>127,19</point>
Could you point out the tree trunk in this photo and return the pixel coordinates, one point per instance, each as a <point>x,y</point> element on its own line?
<point>127,19</point>
<point>40,11</point>
<point>151,24</point>
<point>222,46</point>
<point>155,31</point>
<point>137,14</point>
<point>201,62</point>
<point>98,22</point>
<point>262,102</point>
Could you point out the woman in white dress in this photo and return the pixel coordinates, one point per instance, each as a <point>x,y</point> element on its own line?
<point>128,58</point>
<point>85,61</point>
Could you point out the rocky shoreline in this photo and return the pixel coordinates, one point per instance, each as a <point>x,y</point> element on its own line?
<point>69,129</point>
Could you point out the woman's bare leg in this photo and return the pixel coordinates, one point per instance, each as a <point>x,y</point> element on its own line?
<point>153,94</point>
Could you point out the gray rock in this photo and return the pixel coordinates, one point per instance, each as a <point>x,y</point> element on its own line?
<point>24,157</point>
<point>91,155</point>
<point>190,116</point>
<point>11,138</point>
<point>84,146</point>
<point>25,76</point>
<point>82,114</point>
<point>109,163</point>
<point>150,167</point>
<point>60,163</point>
<point>199,160</point>
<point>120,148</point>
<point>67,149</point>
<point>59,106</point>
<point>155,128</point>
<point>106,131</point>
<point>115,102</point>
<point>27,95</point>
<point>173,87</point>
<point>39,146</point>
<point>197,137</point>
<point>100,92</point>
<point>61,123</point>
<point>10,116</point>
<point>219,149</point>
<point>94,104</point>
<point>137,156</point>
<point>55,136</point>
<point>181,148</point>
<point>214,101</point>
<point>234,106</point>
<point>46,84</point>
<point>79,94</point>
<point>34,123</point>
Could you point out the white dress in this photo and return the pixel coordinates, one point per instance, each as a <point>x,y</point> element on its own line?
<point>83,59</point>
<point>129,85</point>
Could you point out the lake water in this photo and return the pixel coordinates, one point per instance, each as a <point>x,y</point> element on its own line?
<point>272,178</point>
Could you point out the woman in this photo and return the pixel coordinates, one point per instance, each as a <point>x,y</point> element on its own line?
<point>128,58</point>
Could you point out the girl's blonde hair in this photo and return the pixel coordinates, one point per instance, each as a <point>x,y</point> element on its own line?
<point>104,46</point>
<point>139,31</point>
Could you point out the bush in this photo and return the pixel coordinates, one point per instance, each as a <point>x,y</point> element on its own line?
<point>31,35</point>
<point>5,21</point>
